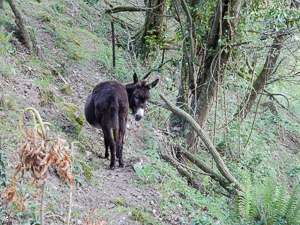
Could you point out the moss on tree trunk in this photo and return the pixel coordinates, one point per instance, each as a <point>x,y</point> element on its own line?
<point>152,31</point>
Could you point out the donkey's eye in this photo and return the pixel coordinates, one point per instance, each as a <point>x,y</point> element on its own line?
<point>135,98</point>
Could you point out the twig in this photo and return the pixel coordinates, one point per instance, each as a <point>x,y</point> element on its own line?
<point>108,3</point>
<point>113,218</point>
<point>272,96</point>
<point>42,203</point>
<point>152,70</point>
<point>61,77</point>
<point>71,187</point>
<point>113,43</point>
<point>70,205</point>
<point>281,105</point>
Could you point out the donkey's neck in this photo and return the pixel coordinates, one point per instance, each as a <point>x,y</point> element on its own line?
<point>130,87</point>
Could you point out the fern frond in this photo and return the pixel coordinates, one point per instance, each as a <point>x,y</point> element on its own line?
<point>4,38</point>
<point>294,218</point>
<point>255,200</point>
<point>279,203</point>
<point>292,201</point>
<point>293,206</point>
<point>269,189</point>
<point>244,199</point>
<point>8,37</point>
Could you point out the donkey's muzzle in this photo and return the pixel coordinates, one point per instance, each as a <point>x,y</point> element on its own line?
<point>137,117</point>
<point>139,114</point>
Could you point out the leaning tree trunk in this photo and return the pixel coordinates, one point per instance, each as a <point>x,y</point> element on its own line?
<point>22,25</point>
<point>216,60</point>
<point>263,77</point>
<point>267,70</point>
<point>223,169</point>
<point>152,30</point>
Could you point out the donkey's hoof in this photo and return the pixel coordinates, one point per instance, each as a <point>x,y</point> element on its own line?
<point>122,165</point>
<point>101,156</point>
<point>111,167</point>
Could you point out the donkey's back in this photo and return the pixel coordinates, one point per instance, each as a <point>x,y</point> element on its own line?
<point>108,100</point>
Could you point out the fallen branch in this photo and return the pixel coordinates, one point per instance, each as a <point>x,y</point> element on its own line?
<point>183,172</point>
<point>125,9</point>
<point>216,156</point>
<point>204,167</point>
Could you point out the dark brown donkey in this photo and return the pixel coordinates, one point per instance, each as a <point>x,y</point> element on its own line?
<point>107,107</point>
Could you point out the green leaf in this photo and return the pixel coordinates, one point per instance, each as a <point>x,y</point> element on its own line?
<point>153,175</point>
<point>79,166</point>
<point>79,180</point>
<point>139,171</point>
<point>147,168</point>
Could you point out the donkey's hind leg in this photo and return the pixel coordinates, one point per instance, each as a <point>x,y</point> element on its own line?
<point>109,141</point>
<point>106,149</point>
<point>115,127</point>
<point>122,122</point>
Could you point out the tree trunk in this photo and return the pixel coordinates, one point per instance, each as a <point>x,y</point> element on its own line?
<point>22,25</point>
<point>216,60</point>
<point>187,78</point>
<point>152,30</point>
<point>263,77</point>
<point>1,4</point>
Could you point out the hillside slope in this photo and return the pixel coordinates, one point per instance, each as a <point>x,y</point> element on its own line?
<point>75,38</point>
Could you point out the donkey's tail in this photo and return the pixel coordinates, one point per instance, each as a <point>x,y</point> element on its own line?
<point>115,127</point>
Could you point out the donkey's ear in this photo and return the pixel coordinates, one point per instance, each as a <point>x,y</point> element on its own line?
<point>135,78</point>
<point>153,84</point>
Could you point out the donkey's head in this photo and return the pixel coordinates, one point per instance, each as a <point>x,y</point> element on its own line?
<point>138,94</point>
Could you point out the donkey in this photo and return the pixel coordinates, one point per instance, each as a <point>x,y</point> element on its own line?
<point>107,108</point>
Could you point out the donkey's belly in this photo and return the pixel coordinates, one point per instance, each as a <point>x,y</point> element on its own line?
<point>96,124</point>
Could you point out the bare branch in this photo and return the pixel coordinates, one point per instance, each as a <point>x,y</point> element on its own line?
<point>152,70</point>
<point>272,96</point>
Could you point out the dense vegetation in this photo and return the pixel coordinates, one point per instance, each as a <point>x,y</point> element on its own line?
<point>233,66</point>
